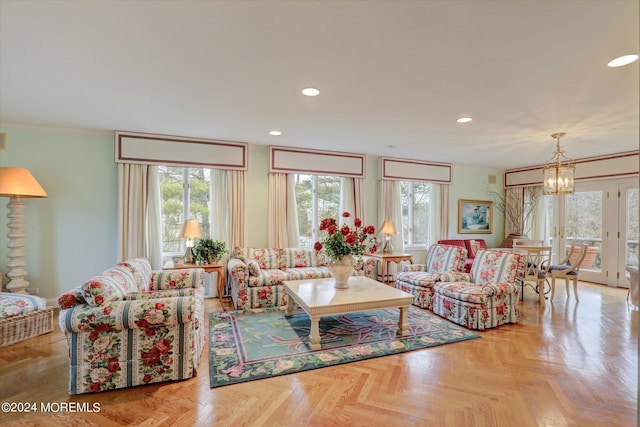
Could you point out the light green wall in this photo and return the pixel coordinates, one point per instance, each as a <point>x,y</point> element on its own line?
<point>472,183</point>
<point>72,234</point>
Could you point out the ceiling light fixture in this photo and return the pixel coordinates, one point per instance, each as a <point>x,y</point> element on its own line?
<point>275,133</point>
<point>558,177</point>
<point>310,91</point>
<point>621,61</point>
<point>464,119</point>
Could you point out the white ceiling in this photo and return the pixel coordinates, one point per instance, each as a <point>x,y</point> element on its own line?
<point>391,73</point>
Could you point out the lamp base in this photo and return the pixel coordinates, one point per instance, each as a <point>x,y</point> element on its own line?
<point>16,264</point>
<point>188,256</point>
<point>388,247</point>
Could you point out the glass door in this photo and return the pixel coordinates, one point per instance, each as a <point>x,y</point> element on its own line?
<point>629,212</point>
<point>584,222</point>
<point>604,216</point>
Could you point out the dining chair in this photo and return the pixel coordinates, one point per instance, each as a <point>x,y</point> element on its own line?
<point>538,262</point>
<point>568,269</point>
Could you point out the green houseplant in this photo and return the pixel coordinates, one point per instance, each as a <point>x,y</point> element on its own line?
<point>209,251</point>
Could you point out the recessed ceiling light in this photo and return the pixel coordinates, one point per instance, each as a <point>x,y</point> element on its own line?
<point>310,91</point>
<point>464,119</point>
<point>275,133</point>
<point>622,61</point>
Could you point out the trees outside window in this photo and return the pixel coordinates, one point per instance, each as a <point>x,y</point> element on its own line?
<point>185,194</point>
<point>317,197</point>
<point>416,212</point>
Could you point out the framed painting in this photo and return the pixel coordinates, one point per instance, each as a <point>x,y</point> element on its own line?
<point>475,216</point>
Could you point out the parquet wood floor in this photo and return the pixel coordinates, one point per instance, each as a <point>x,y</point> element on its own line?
<point>564,364</point>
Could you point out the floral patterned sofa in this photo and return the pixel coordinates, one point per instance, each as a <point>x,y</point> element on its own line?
<point>23,317</point>
<point>256,275</point>
<point>132,326</point>
<point>487,296</point>
<point>419,279</point>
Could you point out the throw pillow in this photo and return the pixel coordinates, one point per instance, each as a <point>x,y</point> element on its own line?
<point>109,286</point>
<point>254,267</point>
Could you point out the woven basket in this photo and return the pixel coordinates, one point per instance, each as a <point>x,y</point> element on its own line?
<point>20,328</point>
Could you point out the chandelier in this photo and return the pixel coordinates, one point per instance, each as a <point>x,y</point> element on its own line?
<point>558,177</point>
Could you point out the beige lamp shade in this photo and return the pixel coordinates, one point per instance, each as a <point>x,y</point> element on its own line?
<point>18,182</point>
<point>388,227</point>
<point>190,229</point>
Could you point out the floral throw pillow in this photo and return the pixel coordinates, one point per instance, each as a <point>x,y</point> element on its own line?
<point>254,267</point>
<point>111,285</point>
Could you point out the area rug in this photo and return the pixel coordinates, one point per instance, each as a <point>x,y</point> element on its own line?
<point>262,343</point>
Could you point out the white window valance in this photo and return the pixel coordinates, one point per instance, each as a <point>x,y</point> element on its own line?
<point>617,165</point>
<point>416,170</point>
<point>152,149</point>
<point>316,162</point>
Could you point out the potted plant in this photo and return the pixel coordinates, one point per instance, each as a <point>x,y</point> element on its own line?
<point>209,251</point>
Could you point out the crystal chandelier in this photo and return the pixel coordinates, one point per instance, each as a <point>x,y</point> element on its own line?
<point>558,177</point>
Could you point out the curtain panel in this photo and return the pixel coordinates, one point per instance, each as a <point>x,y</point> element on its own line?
<point>139,229</point>
<point>282,216</point>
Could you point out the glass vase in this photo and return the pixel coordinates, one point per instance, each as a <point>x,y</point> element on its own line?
<point>341,269</point>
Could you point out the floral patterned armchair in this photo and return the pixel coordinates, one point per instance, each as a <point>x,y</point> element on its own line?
<point>487,296</point>
<point>132,326</point>
<point>418,279</point>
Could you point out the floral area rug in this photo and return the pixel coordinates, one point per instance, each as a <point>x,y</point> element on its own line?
<point>262,343</point>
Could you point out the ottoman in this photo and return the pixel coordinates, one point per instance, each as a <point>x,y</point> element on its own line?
<point>23,317</point>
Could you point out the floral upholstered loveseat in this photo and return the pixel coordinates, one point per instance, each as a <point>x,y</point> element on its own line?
<point>256,275</point>
<point>131,326</point>
<point>419,279</point>
<point>487,296</point>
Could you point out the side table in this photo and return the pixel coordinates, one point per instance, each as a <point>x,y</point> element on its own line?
<point>208,268</point>
<point>386,259</point>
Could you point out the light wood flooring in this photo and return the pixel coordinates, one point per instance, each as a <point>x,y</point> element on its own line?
<point>564,364</point>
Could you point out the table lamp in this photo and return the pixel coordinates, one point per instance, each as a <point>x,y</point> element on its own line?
<point>190,230</point>
<point>387,228</point>
<point>17,183</point>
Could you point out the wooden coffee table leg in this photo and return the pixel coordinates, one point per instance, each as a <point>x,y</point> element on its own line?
<point>314,336</point>
<point>403,321</point>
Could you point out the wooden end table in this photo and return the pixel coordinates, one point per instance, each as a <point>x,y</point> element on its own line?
<point>386,259</point>
<point>208,268</point>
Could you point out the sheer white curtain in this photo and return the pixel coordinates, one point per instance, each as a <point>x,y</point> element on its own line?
<point>154,217</point>
<point>347,201</point>
<point>282,216</point>
<point>139,230</point>
<point>390,207</point>
<point>237,183</point>
<point>537,223</point>
<point>219,206</point>
<point>439,213</point>
<point>352,198</point>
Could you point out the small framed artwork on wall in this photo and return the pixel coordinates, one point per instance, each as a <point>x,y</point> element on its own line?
<point>475,216</point>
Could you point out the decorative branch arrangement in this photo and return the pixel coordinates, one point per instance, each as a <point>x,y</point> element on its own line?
<point>516,209</point>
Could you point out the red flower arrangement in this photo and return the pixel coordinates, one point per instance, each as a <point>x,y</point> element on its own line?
<point>344,240</point>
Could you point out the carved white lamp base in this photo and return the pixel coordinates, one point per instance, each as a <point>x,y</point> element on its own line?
<point>16,264</point>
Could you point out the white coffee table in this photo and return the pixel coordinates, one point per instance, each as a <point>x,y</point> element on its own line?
<point>318,297</point>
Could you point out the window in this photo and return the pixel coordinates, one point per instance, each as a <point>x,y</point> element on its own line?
<point>185,194</point>
<point>317,197</point>
<point>417,213</point>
